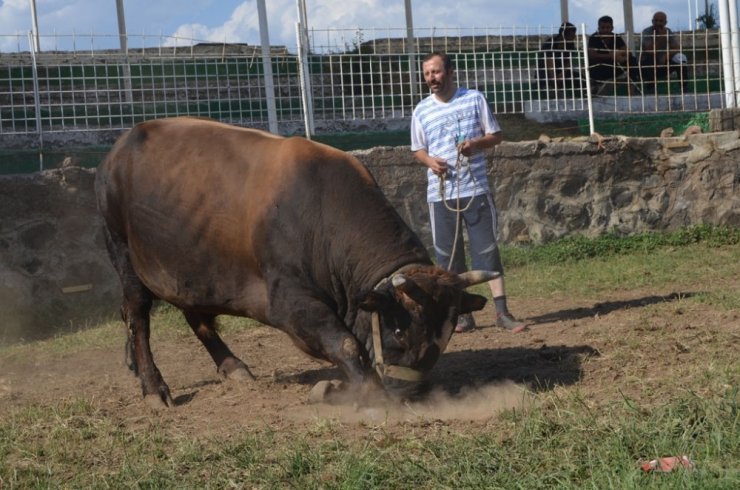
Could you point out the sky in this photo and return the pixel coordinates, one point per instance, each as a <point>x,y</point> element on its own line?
<point>237,20</point>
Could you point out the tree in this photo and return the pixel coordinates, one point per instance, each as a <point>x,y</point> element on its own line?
<point>708,19</point>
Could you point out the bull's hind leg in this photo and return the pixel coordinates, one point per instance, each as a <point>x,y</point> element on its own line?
<point>135,309</point>
<point>228,365</point>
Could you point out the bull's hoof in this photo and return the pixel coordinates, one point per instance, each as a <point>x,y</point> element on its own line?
<point>235,369</point>
<point>241,374</point>
<point>159,401</point>
<point>323,391</point>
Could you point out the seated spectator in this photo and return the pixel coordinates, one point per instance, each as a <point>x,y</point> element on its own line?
<point>558,67</point>
<point>661,52</point>
<point>609,57</point>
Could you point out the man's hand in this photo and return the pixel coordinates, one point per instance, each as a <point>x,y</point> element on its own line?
<point>437,165</point>
<point>466,148</point>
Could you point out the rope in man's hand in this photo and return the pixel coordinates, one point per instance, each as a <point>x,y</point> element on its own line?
<point>460,164</point>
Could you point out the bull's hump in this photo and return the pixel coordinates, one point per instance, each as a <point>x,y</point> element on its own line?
<point>190,148</point>
<point>189,123</point>
<point>301,151</point>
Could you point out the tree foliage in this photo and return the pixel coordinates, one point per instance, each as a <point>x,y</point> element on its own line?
<point>708,19</point>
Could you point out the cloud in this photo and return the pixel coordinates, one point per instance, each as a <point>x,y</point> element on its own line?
<point>15,23</point>
<point>15,16</point>
<point>242,25</point>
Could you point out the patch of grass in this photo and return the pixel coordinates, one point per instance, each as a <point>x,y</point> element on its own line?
<point>679,268</point>
<point>97,336</point>
<point>564,442</point>
<point>651,125</point>
<point>578,247</point>
<point>592,267</point>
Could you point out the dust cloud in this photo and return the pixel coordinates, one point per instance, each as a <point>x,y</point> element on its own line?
<point>478,403</point>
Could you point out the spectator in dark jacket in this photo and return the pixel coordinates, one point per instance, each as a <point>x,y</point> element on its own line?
<point>608,55</point>
<point>558,63</point>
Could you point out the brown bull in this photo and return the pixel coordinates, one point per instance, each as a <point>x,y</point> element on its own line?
<point>216,219</point>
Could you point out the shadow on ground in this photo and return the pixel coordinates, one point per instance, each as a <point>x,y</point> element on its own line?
<point>606,308</point>
<point>539,368</point>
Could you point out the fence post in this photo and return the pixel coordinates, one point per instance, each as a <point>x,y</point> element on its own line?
<point>411,49</point>
<point>35,43</point>
<point>123,41</point>
<point>305,80</point>
<point>267,67</point>
<point>584,40</point>
<point>37,102</point>
<point>735,43</point>
<point>728,72</point>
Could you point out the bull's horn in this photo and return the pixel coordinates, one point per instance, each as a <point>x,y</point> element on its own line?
<point>471,278</point>
<point>409,287</point>
<point>398,280</point>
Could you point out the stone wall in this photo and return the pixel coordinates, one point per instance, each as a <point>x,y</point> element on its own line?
<point>548,189</point>
<point>55,274</point>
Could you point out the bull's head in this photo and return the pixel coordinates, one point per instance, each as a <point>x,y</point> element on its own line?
<point>413,315</point>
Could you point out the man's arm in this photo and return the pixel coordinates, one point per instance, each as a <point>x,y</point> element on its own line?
<point>605,55</point>
<point>481,143</point>
<point>436,165</point>
<point>674,46</point>
<point>600,54</point>
<point>648,39</point>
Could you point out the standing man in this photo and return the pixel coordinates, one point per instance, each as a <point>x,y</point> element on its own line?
<point>450,129</point>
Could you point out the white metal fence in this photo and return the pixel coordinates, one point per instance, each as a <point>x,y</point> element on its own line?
<point>355,75</point>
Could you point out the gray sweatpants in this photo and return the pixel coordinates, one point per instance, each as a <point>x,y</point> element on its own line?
<point>480,221</point>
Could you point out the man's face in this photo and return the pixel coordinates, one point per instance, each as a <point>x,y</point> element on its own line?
<point>606,28</point>
<point>437,79</point>
<point>659,22</point>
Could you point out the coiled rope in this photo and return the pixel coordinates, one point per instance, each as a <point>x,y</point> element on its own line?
<point>460,164</point>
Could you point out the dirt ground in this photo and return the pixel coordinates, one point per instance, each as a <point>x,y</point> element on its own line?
<point>636,344</point>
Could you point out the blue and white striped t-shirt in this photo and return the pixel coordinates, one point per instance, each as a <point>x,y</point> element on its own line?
<point>438,127</point>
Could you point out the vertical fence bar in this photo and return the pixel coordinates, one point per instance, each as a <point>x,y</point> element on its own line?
<point>305,86</point>
<point>37,103</point>
<point>123,41</point>
<point>735,44</point>
<point>410,47</point>
<point>35,42</point>
<point>267,67</point>
<point>584,40</point>
<point>727,54</point>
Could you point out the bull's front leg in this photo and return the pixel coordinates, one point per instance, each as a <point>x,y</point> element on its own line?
<point>317,330</point>
<point>227,364</point>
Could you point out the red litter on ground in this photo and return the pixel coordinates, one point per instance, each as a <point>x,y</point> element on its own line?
<point>669,463</point>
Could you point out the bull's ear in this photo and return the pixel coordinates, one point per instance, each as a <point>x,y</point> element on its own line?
<point>374,301</point>
<point>471,302</point>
